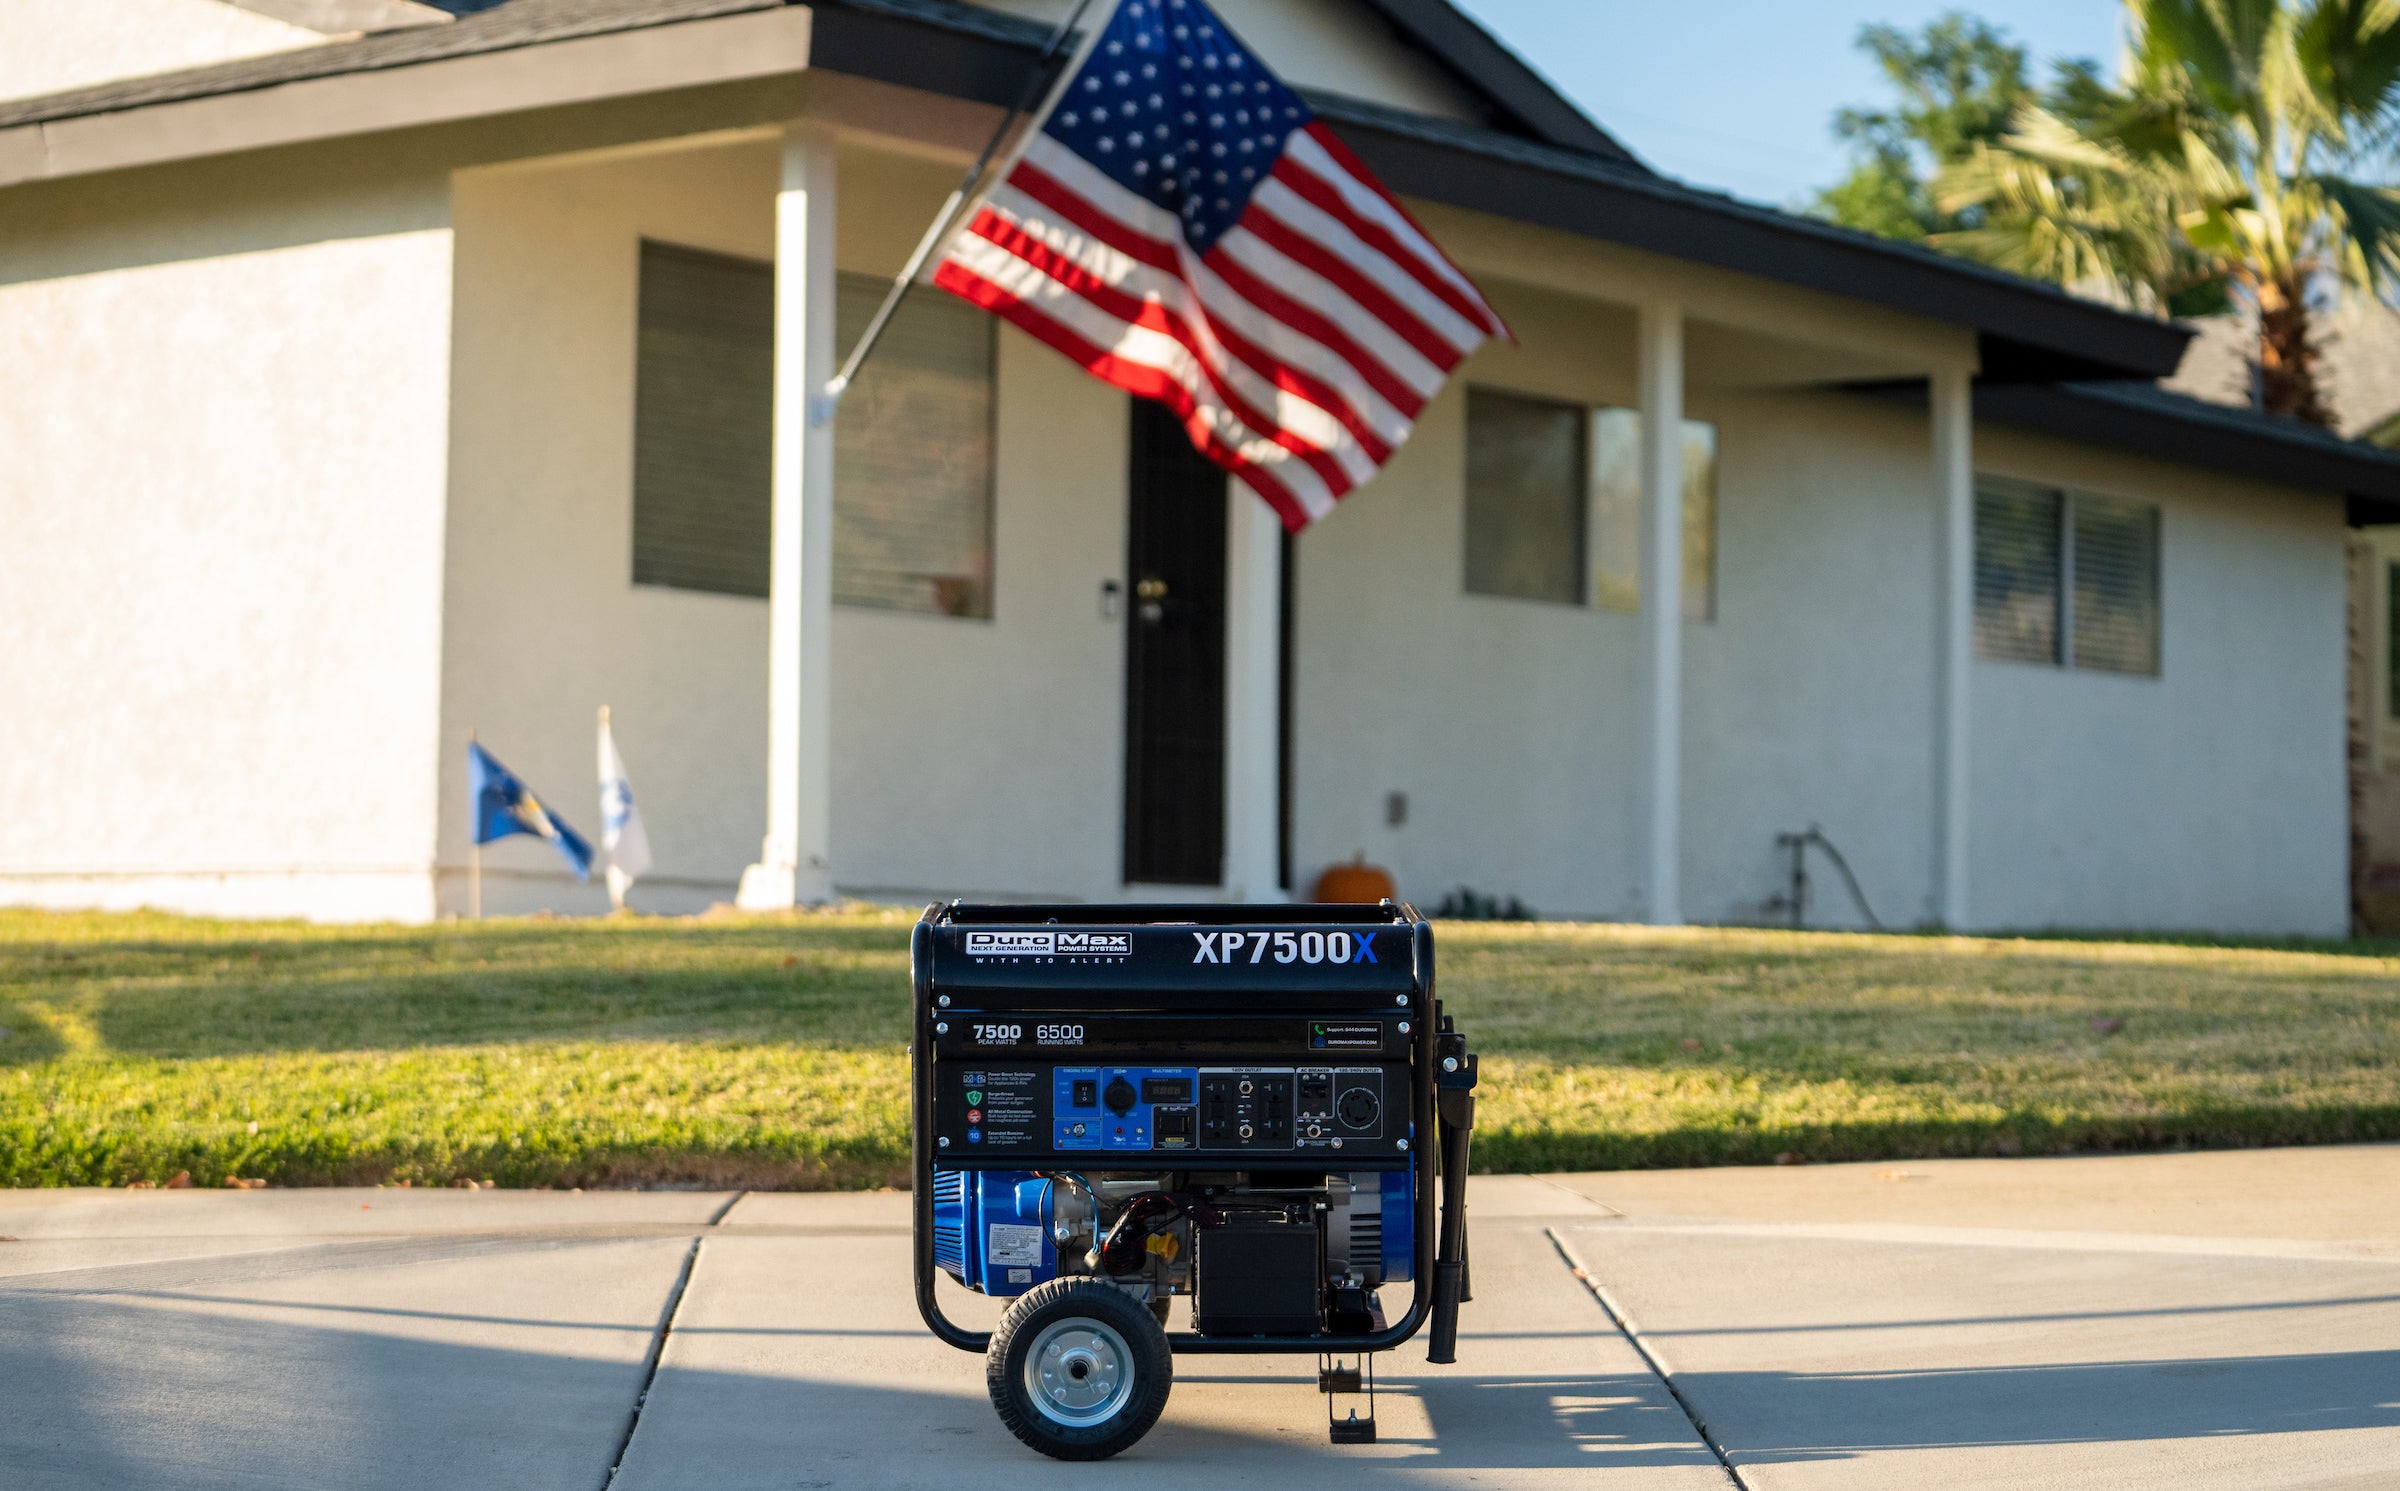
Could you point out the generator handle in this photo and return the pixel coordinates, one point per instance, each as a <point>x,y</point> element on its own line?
<point>1455,1115</point>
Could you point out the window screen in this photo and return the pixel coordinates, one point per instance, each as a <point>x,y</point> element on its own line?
<point>703,421</point>
<point>1525,497</point>
<point>2115,613</point>
<point>1617,514</point>
<point>2017,562</point>
<point>912,451</point>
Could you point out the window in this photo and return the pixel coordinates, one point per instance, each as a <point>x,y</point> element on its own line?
<point>2016,574</point>
<point>1525,497</point>
<point>2113,613</point>
<point>703,421</point>
<point>2391,624</point>
<point>912,452</point>
<point>2066,579</point>
<point>1554,504</point>
<point>1617,514</point>
<point>912,444</point>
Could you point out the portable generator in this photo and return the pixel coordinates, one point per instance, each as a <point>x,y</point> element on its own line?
<point>1248,1106</point>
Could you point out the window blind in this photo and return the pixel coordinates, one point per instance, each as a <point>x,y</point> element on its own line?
<point>912,453</point>
<point>913,444</point>
<point>2017,563</point>
<point>2115,619</point>
<point>703,421</point>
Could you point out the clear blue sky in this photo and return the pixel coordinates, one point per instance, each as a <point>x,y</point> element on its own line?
<point>1740,94</point>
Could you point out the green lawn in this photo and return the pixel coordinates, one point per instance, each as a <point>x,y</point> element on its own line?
<point>768,1053</point>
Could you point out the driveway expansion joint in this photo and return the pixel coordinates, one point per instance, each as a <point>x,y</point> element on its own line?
<point>658,1343</point>
<point>1650,1356</point>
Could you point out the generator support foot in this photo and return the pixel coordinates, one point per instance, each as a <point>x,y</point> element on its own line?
<point>1332,1378</point>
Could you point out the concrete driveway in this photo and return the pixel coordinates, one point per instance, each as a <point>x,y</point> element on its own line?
<point>2178,1320</point>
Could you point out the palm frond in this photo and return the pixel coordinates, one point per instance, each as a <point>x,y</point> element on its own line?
<point>2039,135</point>
<point>2349,52</point>
<point>2213,45</point>
<point>2366,223</point>
<point>2034,215</point>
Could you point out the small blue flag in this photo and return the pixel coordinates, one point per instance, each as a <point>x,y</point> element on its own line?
<point>504,806</point>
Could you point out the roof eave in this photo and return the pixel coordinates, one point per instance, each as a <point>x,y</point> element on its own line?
<point>2140,419</point>
<point>2030,331</point>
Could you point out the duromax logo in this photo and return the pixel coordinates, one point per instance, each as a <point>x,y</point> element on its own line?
<point>1011,944</point>
<point>1095,944</point>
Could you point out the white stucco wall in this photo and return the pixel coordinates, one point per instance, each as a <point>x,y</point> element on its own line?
<point>2213,796</point>
<point>970,757</point>
<point>1511,725</point>
<point>1507,723</point>
<point>48,46</point>
<point>545,625</point>
<point>219,592</point>
<point>1810,698</point>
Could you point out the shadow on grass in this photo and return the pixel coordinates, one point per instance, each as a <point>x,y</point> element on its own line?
<point>27,1038</point>
<point>834,986</point>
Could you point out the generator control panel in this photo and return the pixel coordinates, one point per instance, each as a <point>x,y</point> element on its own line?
<point>1021,1109</point>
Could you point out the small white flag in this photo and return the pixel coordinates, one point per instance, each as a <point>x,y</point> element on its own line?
<point>621,831</point>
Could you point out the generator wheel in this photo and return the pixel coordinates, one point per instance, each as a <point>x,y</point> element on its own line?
<point>1079,1369</point>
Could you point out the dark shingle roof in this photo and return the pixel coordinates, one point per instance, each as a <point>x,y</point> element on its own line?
<point>2148,420</point>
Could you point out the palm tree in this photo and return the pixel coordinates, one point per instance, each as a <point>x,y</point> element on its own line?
<point>2222,163</point>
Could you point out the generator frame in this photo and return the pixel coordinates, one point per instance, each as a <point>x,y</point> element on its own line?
<point>1440,1113</point>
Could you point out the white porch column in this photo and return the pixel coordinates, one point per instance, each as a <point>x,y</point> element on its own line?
<point>1253,695</point>
<point>795,864</point>
<point>1952,399</point>
<point>1661,392</point>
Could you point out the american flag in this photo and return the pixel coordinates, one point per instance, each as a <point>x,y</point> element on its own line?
<point>1183,227</point>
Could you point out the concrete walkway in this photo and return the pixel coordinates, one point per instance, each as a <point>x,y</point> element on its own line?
<point>2192,1320</point>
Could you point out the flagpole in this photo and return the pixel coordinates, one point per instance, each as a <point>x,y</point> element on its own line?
<point>474,859</point>
<point>822,410</point>
<point>614,876</point>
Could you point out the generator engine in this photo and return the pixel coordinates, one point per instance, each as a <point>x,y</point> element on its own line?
<point>1306,1252</point>
<point>1252,1108</point>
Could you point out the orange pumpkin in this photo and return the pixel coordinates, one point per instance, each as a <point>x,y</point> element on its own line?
<point>1356,881</point>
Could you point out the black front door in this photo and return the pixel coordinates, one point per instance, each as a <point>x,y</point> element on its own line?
<point>1174,658</point>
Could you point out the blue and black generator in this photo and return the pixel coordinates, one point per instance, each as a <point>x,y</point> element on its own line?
<point>1260,1108</point>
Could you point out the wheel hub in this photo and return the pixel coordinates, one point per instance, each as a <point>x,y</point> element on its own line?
<point>1079,1373</point>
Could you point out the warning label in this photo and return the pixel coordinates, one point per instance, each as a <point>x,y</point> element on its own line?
<point>1014,1246</point>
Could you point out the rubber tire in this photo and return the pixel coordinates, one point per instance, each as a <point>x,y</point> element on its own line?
<point>1065,1299</point>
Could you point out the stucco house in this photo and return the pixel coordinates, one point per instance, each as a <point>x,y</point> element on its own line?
<point>371,375</point>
